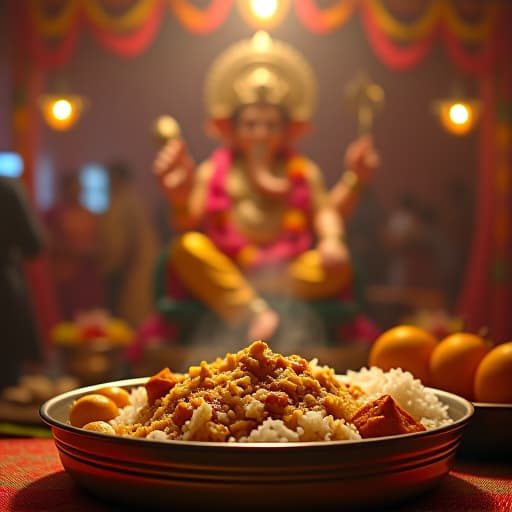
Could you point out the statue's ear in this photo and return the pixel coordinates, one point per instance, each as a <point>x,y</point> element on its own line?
<point>298,129</point>
<point>220,128</point>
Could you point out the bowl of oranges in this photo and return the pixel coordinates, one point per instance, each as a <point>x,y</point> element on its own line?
<point>463,363</point>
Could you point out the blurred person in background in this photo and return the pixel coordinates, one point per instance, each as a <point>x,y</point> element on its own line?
<point>457,210</point>
<point>73,233</point>
<point>20,240</point>
<point>365,237</point>
<point>129,247</point>
<point>402,235</point>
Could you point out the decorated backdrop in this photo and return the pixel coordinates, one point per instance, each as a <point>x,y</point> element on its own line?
<point>474,33</point>
<point>401,32</point>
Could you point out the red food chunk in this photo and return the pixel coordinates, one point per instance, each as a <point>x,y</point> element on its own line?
<point>299,366</point>
<point>159,384</point>
<point>384,417</point>
<point>276,402</point>
<point>182,413</point>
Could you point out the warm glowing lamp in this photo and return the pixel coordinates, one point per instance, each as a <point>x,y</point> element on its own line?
<point>264,14</point>
<point>263,9</point>
<point>458,116</point>
<point>61,111</point>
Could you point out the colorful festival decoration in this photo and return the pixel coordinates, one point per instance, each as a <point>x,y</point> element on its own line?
<point>475,34</point>
<point>401,33</point>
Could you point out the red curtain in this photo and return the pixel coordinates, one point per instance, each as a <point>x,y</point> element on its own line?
<point>486,297</point>
<point>27,86</point>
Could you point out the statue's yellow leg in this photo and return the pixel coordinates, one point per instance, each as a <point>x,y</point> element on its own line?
<point>311,280</point>
<point>215,280</point>
<point>212,277</point>
<point>304,278</point>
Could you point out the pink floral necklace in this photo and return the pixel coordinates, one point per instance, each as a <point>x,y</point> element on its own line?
<point>295,236</point>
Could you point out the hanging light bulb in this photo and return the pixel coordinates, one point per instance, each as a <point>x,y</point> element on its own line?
<point>263,9</point>
<point>458,113</point>
<point>457,116</point>
<point>62,111</point>
<point>264,14</point>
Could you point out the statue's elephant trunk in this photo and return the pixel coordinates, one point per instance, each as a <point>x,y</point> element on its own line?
<point>268,183</point>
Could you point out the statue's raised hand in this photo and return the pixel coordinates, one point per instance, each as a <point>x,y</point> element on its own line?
<point>174,168</point>
<point>333,253</point>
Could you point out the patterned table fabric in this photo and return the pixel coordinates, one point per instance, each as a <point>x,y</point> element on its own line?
<point>32,479</point>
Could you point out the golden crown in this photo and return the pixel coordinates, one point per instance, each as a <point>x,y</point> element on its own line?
<point>260,69</point>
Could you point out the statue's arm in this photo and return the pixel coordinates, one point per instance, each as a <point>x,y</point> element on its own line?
<point>361,163</point>
<point>328,224</point>
<point>174,169</point>
<point>327,221</point>
<point>183,184</point>
<point>199,193</point>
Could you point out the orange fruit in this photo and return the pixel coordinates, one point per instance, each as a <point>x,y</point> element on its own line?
<point>404,346</point>
<point>493,379</point>
<point>454,361</point>
<point>94,407</point>
<point>118,395</point>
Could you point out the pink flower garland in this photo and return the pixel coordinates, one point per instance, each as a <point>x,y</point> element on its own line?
<point>296,236</point>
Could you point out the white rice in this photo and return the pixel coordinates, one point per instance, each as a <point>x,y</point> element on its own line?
<point>128,414</point>
<point>313,426</point>
<point>410,394</point>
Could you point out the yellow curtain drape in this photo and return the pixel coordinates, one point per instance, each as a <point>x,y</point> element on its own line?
<point>56,25</point>
<point>325,19</point>
<point>469,32</point>
<point>200,20</point>
<point>407,31</point>
<point>130,19</point>
<point>437,12</point>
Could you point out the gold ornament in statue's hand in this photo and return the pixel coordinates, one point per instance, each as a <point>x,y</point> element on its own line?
<point>166,128</point>
<point>366,98</point>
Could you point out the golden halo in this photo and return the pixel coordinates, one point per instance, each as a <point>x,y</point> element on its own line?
<point>260,69</point>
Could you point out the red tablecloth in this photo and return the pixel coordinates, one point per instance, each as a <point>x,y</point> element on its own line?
<point>32,479</point>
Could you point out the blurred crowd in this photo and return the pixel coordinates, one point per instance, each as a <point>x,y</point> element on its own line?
<point>88,261</point>
<point>102,260</point>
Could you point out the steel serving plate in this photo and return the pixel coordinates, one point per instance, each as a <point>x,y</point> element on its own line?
<point>160,474</point>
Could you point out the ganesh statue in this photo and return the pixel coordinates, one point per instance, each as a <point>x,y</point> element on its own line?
<point>258,233</point>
